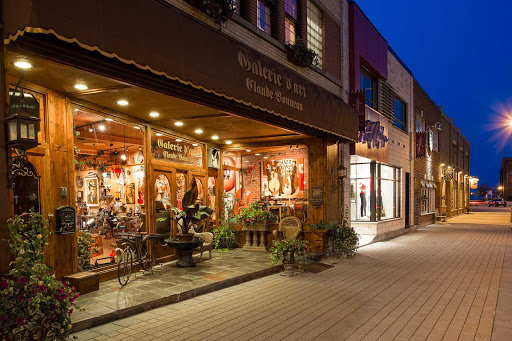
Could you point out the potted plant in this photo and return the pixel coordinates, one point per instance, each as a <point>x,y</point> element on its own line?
<point>219,10</point>
<point>255,217</point>
<point>342,238</point>
<point>33,304</point>
<point>289,252</point>
<point>300,55</point>
<point>225,237</point>
<point>84,251</point>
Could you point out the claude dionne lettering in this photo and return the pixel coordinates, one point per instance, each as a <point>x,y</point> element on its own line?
<point>270,75</point>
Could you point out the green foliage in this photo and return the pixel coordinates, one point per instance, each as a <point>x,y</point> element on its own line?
<point>342,237</point>
<point>33,304</point>
<point>219,10</point>
<point>225,237</point>
<point>281,250</point>
<point>84,251</point>
<point>254,214</point>
<point>299,54</point>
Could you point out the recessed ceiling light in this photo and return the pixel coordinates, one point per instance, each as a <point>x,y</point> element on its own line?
<point>159,134</point>
<point>136,127</point>
<point>108,119</point>
<point>122,102</point>
<point>23,65</point>
<point>123,157</point>
<point>228,142</point>
<point>257,154</point>
<point>248,150</point>
<point>154,114</point>
<point>81,86</point>
<point>215,137</point>
<point>179,140</point>
<point>195,144</point>
<point>178,123</point>
<point>198,131</point>
<point>90,130</point>
<point>265,157</point>
<point>101,127</point>
<point>246,161</point>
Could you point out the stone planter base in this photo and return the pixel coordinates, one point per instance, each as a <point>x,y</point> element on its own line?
<point>255,239</point>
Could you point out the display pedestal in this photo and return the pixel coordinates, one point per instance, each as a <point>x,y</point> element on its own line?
<point>184,250</point>
<point>255,239</point>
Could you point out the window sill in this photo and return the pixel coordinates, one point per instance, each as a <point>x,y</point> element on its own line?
<point>426,213</point>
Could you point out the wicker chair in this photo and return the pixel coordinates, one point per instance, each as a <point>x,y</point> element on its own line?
<point>207,244</point>
<point>289,228</point>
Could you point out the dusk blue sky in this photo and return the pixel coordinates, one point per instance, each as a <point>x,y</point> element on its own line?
<point>461,53</point>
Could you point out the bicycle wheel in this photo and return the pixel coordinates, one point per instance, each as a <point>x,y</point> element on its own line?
<point>124,269</point>
<point>147,251</point>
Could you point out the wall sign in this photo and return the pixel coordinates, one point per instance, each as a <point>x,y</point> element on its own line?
<point>448,174</point>
<point>65,220</point>
<point>373,135</point>
<point>317,196</point>
<point>173,149</point>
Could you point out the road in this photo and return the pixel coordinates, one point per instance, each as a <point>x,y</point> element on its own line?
<point>443,282</point>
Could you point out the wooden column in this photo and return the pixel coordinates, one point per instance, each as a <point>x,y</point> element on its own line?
<point>62,253</point>
<point>4,190</point>
<point>317,175</point>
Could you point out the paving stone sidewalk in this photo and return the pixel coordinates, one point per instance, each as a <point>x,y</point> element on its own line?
<point>443,282</point>
<point>169,284</point>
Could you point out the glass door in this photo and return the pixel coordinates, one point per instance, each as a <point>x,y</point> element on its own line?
<point>164,198</point>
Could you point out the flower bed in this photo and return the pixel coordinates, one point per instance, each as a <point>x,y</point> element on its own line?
<point>33,304</point>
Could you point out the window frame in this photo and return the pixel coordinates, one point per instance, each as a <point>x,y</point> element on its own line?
<point>310,40</point>
<point>403,122</point>
<point>364,72</point>
<point>270,22</point>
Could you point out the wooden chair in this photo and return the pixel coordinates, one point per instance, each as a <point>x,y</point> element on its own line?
<point>289,228</point>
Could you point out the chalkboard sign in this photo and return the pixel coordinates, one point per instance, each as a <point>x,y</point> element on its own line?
<point>65,218</point>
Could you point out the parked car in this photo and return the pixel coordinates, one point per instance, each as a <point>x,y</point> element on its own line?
<point>497,202</point>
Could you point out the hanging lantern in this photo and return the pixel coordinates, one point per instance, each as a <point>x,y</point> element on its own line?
<point>23,122</point>
<point>342,172</point>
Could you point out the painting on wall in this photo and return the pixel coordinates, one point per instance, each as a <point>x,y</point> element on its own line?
<point>91,186</point>
<point>130,193</point>
<point>283,178</point>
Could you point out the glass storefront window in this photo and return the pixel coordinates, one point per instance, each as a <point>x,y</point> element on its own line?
<point>385,203</point>
<point>180,188</point>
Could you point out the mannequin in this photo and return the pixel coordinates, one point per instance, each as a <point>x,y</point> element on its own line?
<point>362,195</point>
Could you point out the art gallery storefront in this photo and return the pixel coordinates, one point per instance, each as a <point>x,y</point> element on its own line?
<point>122,129</point>
<point>379,176</point>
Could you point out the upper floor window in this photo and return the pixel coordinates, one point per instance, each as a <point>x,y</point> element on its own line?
<point>315,36</point>
<point>264,17</point>
<point>400,114</point>
<point>420,124</point>
<point>368,83</point>
<point>290,21</point>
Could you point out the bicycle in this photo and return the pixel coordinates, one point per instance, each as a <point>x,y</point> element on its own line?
<point>138,248</point>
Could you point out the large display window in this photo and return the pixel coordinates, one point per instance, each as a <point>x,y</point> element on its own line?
<point>109,181</point>
<point>375,191</point>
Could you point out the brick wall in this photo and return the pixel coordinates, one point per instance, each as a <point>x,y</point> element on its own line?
<point>245,31</point>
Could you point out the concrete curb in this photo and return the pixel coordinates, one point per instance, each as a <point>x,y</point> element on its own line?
<point>175,298</point>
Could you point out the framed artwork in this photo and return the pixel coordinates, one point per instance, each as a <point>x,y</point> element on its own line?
<point>79,196</point>
<point>283,178</point>
<point>92,190</point>
<point>213,158</point>
<point>79,182</point>
<point>130,193</point>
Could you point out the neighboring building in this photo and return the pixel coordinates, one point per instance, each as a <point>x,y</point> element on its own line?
<point>506,177</point>
<point>442,162</point>
<point>137,100</point>
<point>381,162</point>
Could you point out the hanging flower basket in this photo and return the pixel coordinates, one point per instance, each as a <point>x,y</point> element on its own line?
<point>219,10</point>
<point>300,55</point>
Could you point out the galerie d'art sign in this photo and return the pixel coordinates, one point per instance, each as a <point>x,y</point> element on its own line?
<point>168,149</point>
<point>260,71</point>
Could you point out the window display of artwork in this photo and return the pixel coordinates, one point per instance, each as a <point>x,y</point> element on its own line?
<point>91,186</point>
<point>282,178</point>
<point>180,188</point>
